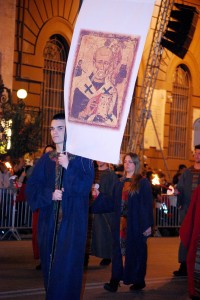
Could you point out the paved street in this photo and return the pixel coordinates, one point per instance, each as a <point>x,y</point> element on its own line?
<point>19,280</point>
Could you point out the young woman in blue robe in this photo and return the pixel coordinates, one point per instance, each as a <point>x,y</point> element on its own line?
<point>132,222</point>
<point>63,280</point>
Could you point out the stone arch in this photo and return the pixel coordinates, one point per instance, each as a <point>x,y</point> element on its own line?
<point>54,26</point>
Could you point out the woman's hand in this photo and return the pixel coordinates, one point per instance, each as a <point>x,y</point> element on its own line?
<point>63,160</point>
<point>147,232</point>
<point>57,195</point>
<point>95,191</point>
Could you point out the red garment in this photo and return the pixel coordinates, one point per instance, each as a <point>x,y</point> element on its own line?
<point>21,197</point>
<point>124,208</point>
<point>35,217</point>
<point>189,234</point>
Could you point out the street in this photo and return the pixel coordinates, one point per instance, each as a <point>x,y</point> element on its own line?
<point>20,280</point>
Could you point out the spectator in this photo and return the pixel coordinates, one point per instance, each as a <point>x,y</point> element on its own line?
<point>4,176</point>
<point>177,176</point>
<point>19,167</point>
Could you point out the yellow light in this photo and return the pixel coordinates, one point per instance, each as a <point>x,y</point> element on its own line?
<point>8,145</point>
<point>21,94</point>
<point>155,180</point>
<point>8,165</point>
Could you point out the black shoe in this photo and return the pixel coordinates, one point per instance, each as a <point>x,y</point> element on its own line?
<point>182,271</point>
<point>137,286</point>
<point>105,262</point>
<point>179,273</point>
<point>38,267</point>
<point>86,260</point>
<point>111,286</point>
<point>195,297</point>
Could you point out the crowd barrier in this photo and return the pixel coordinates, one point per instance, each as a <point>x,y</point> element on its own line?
<point>14,215</point>
<point>166,213</point>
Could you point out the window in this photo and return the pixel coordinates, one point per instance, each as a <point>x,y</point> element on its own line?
<point>55,58</point>
<point>179,113</point>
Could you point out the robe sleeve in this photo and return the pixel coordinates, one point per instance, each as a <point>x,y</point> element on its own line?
<point>186,229</point>
<point>84,170</point>
<point>180,188</point>
<point>102,204</point>
<point>146,204</point>
<point>38,189</point>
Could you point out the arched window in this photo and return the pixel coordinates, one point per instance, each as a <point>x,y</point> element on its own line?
<point>55,58</point>
<point>178,141</point>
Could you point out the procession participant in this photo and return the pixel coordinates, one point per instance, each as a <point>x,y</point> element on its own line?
<point>101,244</point>
<point>132,221</point>
<point>190,237</point>
<point>62,274</point>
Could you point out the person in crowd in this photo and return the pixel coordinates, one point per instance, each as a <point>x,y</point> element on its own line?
<point>18,168</point>
<point>190,237</point>
<point>101,244</point>
<point>132,224</point>
<point>4,176</point>
<point>177,176</point>
<point>186,185</point>
<point>21,183</point>
<point>35,216</point>
<point>119,170</point>
<point>61,240</point>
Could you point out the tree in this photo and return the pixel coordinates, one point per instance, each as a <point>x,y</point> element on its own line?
<point>24,123</point>
<point>26,132</point>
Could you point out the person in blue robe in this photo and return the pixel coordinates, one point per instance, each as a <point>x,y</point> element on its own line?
<point>101,240</point>
<point>132,205</point>
<point>62,275</point>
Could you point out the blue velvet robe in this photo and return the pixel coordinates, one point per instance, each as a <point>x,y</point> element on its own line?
<point>139,218</point>
<point>65,280</point>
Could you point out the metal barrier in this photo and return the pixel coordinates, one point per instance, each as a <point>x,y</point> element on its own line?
<point>14,215</point>
<point>167,212</point>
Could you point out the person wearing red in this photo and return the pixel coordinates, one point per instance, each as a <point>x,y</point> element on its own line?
<point>190,237</point>
<point>187,183</point>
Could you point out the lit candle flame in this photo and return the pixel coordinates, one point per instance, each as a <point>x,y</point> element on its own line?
<point>155,180</point>
<point>8,165</point>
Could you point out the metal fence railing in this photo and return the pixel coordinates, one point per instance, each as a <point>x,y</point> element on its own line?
<point>167,213</point>
<point>14,215</point>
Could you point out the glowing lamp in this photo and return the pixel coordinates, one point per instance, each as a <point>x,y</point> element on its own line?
<point>22,94</point>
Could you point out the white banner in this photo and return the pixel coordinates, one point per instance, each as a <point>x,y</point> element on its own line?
<point>101,71</point>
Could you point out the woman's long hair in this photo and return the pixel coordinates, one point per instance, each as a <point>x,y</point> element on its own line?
<point>135,180</point>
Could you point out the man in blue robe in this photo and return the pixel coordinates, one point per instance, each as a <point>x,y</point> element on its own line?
<point>63,274</point>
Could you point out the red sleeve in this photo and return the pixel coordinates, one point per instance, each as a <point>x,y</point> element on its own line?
<point>187,226</point>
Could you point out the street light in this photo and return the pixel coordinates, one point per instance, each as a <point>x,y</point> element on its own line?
<point>21,95</point>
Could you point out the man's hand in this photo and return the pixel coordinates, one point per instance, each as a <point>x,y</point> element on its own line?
<point>147,232</point>
<point>57,195</point>
<point>63,160</point>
